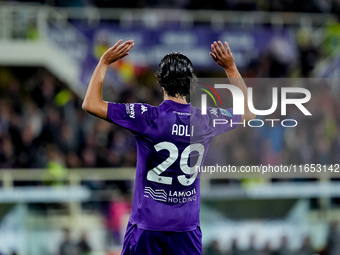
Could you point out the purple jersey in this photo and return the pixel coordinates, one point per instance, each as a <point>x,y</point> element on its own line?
<point>172,140</point>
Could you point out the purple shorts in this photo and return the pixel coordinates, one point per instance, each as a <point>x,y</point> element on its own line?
<point>139,241</point>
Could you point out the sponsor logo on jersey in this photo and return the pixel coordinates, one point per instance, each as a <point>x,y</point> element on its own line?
<point>182,113</point>
<point>225,112</point>
<point>174,196</point>
<point>143,108</point>
<point>131,111</point>
<point>157,194</point>
<point>213,111</point>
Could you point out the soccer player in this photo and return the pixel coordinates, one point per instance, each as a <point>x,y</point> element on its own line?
<point>172,140</point>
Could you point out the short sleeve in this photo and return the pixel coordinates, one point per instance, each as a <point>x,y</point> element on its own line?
<point>222,120</point>
<point>135,117</point>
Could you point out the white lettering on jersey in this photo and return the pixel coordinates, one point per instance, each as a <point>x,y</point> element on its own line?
<point>181,130</point>
<point>144,108</point>
<point>173,196</point>
<point>132,111</point>
<point>187,193</point>
<point>182,113</point>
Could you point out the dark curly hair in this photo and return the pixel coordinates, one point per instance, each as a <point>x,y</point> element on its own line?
<point>176,74</point>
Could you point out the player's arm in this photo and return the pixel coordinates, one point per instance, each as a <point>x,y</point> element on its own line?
<point>93,102</point>
<point>223,57</point>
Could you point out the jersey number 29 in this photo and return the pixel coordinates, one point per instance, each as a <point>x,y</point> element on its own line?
<point>154,174</point>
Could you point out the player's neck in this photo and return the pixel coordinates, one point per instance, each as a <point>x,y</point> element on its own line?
<point>180,100</point>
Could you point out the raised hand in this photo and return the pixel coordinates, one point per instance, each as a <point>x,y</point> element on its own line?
<point>117,51</point>
<point>222,55</point>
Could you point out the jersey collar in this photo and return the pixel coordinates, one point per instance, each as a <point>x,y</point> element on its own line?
<point>176,106</point>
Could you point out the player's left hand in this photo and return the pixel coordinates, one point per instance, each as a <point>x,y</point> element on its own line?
<point>221,54</point>
<point>117,51</point>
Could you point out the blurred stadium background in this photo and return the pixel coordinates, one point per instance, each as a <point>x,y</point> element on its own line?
<point>66,178</point>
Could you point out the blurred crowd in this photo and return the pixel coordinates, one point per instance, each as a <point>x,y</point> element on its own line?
<point>70,247</point>
<point>318,6</point>
<point>252,249</point>
<point>332,246</point>
<point>43,125</point>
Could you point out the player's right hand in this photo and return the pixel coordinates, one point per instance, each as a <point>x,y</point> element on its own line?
<point>221,54</point>
<point>117,51</point>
